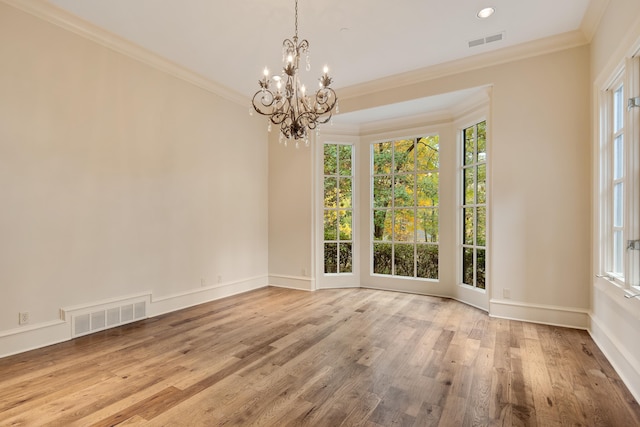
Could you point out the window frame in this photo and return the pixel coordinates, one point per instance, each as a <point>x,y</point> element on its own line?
<point>627,77</point>
<point>461,206</point>
<point>320,279</point>
<point>392,208</point>
<point>610,181</point>
<point>339,240</point>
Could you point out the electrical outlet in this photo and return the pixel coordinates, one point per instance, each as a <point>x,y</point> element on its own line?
<point>203,282</point>
<point>506,293</point>
<point>23,317</point>
<point>219,279</point>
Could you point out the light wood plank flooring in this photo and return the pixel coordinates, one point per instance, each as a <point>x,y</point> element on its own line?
<point>277,357</point>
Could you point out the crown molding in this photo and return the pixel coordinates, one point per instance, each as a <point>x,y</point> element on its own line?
<point>592,17</point>
<point>448,115</point>
<point>509,54</point>
<point>63,19</point>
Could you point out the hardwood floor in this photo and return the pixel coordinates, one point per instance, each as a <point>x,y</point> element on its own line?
<point>278,357</point>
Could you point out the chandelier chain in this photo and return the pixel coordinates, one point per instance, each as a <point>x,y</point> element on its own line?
<point>296,33</point>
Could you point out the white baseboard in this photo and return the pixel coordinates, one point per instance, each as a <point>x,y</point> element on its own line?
<point>625,364</point>
<point>175,302</point>
<point>31,337</point>
<point>544,314</point>
<point>302,283</point>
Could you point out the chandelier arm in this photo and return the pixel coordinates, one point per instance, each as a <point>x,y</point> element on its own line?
<point>263,99</point>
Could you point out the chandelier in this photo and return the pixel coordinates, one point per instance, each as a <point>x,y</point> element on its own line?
<point>284,100</point>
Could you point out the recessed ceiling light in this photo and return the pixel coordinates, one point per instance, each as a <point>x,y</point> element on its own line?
<point>485,13</point>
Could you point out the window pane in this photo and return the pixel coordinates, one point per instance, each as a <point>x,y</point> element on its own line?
<point>618,157</point>
<point>404,156</point>
<point>482,184</point>
<point>382,222</point>
<point>404,225</point>
<point>469,146</point>
<point>403,260</point>
<point>345,225</point>
<point>382,258</point>
<point>618,251</point>
<point>345,194</point>
<point>382,191</point>
<point>330,225</point>
<point>481,229</point>
<point>403,190</point>
<point>428,184</point>
<point>428,154</point>
<point>346,258</point>
<point>330,159</point>
<point>382,158</point>
<point>467,266</point>
<point>330,257</point>
<point>468,226</point>
<point>618,205</point>
<point>469,186</point>
<point>618,109</point>
<point>482,142</point>
<point>344,153</point>
<point>480,269</point>
<point>427,225</point>
<point>427,261</point>
<point>330,192</point>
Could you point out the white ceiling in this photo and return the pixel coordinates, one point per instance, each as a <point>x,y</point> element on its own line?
<point>230,42</point>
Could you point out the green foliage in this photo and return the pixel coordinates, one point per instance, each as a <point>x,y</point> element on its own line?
<point>338,264</point>
<point>382,256</point>
<point>403,260</point>
<point>404,257</point>
<point>427,261</point>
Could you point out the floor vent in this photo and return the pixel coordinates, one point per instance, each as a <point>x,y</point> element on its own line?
<point>486,40</point>
<point>87,320</point>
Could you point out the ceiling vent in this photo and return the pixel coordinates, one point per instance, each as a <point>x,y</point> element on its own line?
<point>486,40</point>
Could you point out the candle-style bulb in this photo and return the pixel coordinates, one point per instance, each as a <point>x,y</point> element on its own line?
<point>325,69</point>
<point>266,72</point>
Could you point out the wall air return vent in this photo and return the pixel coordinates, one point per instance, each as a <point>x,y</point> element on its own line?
<point>486,40</point>
<point>100,316</point>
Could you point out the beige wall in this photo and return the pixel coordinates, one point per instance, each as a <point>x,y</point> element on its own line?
<point>117,178</point>
<point>290,214</point>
